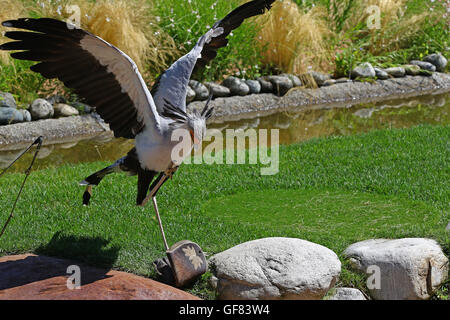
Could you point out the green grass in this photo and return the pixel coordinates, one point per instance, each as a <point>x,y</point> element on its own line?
<point>332,191</point>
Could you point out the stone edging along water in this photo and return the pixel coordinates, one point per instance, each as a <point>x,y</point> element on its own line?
<point>17,136</point>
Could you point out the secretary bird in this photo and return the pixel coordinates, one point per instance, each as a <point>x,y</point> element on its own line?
<point>109,80</point>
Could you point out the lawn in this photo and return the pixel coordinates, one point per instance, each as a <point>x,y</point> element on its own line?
<point>332,191</point>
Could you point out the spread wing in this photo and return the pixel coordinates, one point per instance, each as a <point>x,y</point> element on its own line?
<point>97,71</point>
<point>172,84</point>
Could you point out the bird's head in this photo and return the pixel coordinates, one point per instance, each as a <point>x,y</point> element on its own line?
<point>194,123</point>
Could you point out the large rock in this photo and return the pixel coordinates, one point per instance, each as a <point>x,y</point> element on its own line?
<point>7,100</point>
<point>281,84</point>
<point>409,269</point>
<point>237,86</point>
<point>217,90</point>
<point>347,294</point>
<point>10,116</point>
<point>41,109</point>
<point>31,277</point>
<point>254,85</point>
<point>364,70</point>
<point>201,91</point>
<point>424,65</point>
<point>275,268</point>
<point>266,86</point>
<point>438,60</point>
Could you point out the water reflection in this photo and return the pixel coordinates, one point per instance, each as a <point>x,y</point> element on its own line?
<point>294,127</point>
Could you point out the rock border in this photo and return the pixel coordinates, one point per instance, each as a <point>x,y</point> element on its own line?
<point>341,94</point>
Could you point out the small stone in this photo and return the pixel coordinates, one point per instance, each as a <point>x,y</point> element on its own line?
<point>343,80</point>
<point>26,115</point>
<point>412,69</point>
<point>41,109</point>
<point>55,99</point>
<point>254,85</point>
<point>281,85</point>
<point>217,90</point>
<point>396,72</point>
<point>64,110</point>
<point>7,100</point>
<point>266,86</point>
<point>424,65</point>
<point>329,82</point>
<point>364,70</point>
<point>190,95</point>
<point>448,227</point>
<point>381,74</point>
<point>319,78</point>
<point>296,82</point>
<point>438,60</point>
<point>201,91</point>
<point>347,294</point>
<point>10,116</point>
<point>237,86</point>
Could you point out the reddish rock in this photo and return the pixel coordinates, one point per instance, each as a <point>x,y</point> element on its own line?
<point>25,277</point>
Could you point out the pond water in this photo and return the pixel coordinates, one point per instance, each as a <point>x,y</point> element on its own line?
<point>293,127</point>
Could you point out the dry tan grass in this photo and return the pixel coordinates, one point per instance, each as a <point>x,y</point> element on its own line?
<point>295,40</point>
<point>9,10</point>
<point>128,25</point>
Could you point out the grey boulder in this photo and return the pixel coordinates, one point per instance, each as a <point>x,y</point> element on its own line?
<point>364,70</point>
<point>254,85</point>
<point>64,110</point>
<point>10,116</point>
<point>412,69</point>
<point>281,85</point>
<point>41,109</point>
<point>266,86</point>
<point>396,72</point>
<point>438,60</point>
<point>237,86</point>
<point>7,100</point>
<point>201,91</point>
<point>400,269</point>
<point>275,268</point>
<point>424,65</point>
<point>217,90</point>
<point>347,294</point>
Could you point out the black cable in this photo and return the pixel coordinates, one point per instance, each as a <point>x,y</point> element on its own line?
<point>38,141</point>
